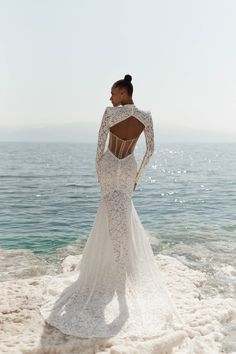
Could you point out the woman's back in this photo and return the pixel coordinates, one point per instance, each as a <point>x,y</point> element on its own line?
<point>124,136</point>
<point>125,123</point>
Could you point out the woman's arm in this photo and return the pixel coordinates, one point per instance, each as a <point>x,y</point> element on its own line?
<point>149,137</point>
<point>102,137</point>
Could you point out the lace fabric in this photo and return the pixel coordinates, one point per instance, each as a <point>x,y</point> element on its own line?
<point>117,289</point>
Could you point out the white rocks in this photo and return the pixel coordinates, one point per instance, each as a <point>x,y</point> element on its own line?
<point>23,330</point>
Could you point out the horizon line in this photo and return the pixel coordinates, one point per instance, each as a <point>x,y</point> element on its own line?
<point>90,142</point>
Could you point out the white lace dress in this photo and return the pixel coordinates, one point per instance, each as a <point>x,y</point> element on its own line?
<point>117,288</point>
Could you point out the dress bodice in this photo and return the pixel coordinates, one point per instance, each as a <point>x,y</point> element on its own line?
<point>114,115</point>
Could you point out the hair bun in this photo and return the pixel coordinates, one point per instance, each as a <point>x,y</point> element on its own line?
<point>128,78</point>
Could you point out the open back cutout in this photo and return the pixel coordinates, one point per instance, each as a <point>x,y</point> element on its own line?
<point>124,136</point>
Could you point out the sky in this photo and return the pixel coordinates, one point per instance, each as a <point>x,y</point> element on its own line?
<point>59,60</point>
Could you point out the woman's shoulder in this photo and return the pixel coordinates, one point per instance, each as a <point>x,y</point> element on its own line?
<point>127,109</point>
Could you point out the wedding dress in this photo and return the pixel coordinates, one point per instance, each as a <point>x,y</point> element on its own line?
<point>117,288</point>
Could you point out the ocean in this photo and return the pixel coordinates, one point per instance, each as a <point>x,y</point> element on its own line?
<point>186,200</point>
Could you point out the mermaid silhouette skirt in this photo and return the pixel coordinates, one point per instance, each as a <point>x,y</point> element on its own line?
<point>117,288</point>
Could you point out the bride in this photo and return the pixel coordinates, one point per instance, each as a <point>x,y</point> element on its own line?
<point>116,288</point>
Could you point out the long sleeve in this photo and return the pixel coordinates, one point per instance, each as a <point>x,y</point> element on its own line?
<point>102,137</point>
<point>149,137</point>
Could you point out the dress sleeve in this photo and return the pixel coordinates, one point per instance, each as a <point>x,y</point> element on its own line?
<point>102,137</point>
<point>149,137</point>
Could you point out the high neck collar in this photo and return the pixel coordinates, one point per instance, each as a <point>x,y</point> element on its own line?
<point>128,104</point>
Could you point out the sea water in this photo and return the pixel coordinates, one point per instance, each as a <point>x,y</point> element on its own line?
<point>186,200</point>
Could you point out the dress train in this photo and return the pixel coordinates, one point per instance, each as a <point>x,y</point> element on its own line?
<point>117,288</point>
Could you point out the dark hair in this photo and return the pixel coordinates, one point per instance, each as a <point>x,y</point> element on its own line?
<point>126,83</point>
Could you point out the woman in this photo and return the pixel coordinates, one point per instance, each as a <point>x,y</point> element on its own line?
<point>117,289</point>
